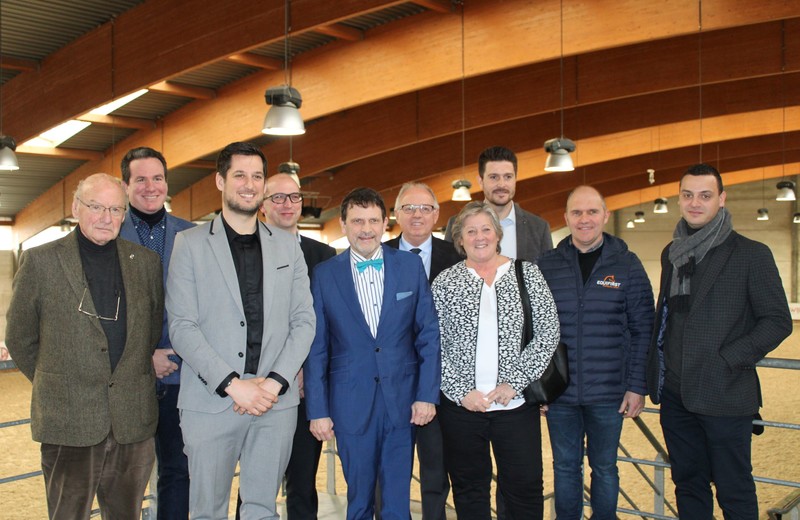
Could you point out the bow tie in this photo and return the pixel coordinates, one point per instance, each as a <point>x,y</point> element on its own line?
<point>377,263</point>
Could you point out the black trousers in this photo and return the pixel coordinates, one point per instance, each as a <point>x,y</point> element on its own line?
<point>704,449</point>
<point>515,438</point>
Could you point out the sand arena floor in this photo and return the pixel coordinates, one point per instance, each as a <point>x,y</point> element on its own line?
<point>775,452</point>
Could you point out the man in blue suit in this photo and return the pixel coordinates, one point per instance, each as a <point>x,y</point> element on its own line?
<point>374,368</point>
<point>144,172</point>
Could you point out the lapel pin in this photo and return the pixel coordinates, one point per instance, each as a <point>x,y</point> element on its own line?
<point>132,256</point>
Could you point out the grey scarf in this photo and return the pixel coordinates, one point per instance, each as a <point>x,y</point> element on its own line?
<point>688,250</point>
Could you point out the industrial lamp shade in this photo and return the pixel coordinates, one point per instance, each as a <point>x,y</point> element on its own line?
<point>660,206</point>
<point>763,214</point>
<point>785,191</point>
<point>8,159</point>
<point>639,217</point>
<point>559,159</point>
<point>796,218</point>
<point>630,224</point>
<point>283,117</point>
<point>461,191</point>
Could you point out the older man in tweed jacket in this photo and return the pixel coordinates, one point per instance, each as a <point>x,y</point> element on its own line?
<point>721,309</point>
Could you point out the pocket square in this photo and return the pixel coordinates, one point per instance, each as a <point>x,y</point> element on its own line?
<point>403,295</point>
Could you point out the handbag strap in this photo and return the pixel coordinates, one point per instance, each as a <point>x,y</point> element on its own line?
<point>527,334</point>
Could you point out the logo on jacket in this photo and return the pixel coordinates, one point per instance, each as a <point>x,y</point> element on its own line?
<point>609,282</point>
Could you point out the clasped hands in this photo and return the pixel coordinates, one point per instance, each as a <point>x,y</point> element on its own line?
<point>254,396</point>
<point>476,401</point>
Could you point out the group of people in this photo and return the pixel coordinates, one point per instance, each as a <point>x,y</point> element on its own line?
<point>243,342</point>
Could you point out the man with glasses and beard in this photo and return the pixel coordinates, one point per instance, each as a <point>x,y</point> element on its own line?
<point>241,317</point>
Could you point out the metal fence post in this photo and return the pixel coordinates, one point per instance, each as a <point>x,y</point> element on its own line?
<point>658,494</point>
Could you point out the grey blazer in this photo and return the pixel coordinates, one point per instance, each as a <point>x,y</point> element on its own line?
<point>533,234</point>
<point>77,400</point>
<point>738,314</point>
<point>207,322</point>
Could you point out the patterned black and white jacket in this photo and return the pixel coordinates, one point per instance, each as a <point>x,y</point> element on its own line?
<point>457,292</point>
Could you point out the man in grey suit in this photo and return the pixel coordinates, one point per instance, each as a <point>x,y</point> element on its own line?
<point>147,222</point>
<point>720,310</point>
<point>84,319</point>
<point>525,235</point>
<point>241,317</point>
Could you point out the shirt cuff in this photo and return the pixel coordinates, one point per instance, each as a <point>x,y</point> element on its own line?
<point>277,377</point>
<point>225,384</point>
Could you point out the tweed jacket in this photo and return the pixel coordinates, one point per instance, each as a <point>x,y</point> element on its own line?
<point>533,234</point>
<point>173,226</point>
<point>77,400</point>
<point>738,314</point>
<point>457,293</point>
<point>443,255</point>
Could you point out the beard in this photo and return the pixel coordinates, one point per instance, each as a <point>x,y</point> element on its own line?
<point>242,209</point>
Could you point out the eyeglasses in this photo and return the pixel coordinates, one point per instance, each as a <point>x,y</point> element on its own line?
<point>80,307</point>
<point>280,198</point>
<point>98,209</point>
<point>425,209</point>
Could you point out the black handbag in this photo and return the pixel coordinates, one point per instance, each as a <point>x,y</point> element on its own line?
<point>555,378</point>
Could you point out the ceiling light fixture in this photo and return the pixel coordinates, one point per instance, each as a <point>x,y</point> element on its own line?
<point>785,191</point>
<point>660,206</point>
<point>461,191</point>
<point>8,159</point>
<point>763,214</point>
<point>630,224</point>
<point>283,118</point>
<point>639,217</point>
<point>796,218</point>
<point>291,169</point>
<point>168,204</point>
<point>559,148</point>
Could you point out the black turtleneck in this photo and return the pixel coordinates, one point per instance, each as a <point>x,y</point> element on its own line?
<point>151,219</point>
<point>104,278</point>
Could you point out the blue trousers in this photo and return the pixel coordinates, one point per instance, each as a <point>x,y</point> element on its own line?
<point>601,425</point>
<point>704,449</point>
<point>173,467</point>
<point>384,451</point>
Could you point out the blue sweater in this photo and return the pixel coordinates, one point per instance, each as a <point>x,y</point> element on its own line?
<point>606,323</point>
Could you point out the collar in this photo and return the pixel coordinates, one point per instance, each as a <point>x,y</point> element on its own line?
<point>511,219</point>
<point>424,247</point>
<point>151,219</point>
<point>355,257</point>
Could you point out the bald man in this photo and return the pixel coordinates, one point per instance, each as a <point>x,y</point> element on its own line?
<point>605,306</point>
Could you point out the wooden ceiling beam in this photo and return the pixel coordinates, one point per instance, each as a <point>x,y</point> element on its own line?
<point>438,6</point>
<point>256,60</point>
<point>341,31</point>
<point>138,123</point>
<point>181,89</point>
<point>64,153</point>
<point>20,64</point>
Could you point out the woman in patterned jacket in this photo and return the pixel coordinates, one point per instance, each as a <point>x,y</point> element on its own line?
<point>484,370</point>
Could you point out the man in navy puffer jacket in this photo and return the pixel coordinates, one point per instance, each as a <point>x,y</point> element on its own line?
<point>605,306</point>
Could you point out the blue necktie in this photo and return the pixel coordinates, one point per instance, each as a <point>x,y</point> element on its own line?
<point>377,263</point>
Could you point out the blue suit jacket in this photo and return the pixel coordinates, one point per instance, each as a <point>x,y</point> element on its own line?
<point>346,364</point>
<point>174,225</point>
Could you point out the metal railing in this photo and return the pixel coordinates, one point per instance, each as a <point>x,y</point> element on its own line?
<point>789,508</point>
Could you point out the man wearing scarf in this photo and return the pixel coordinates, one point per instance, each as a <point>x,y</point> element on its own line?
<point>720,310</point>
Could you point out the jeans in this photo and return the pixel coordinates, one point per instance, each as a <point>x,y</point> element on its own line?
<point>173,467</point>
<point>702,449</point>
<point>601,425</point>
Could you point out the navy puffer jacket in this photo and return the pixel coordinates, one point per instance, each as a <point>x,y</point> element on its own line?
<point>605,323</point>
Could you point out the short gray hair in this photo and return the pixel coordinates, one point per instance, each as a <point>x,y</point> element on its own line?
<point>411,185</point>
<point>476,207</point>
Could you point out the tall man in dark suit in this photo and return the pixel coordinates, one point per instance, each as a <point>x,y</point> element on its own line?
<point>374,367</point>
<point>417,211</point>
<point>720,310</point>
<point>84,319</point>
<point>282,207</point>
<point>525,235</point>
<point>241,317</point>
<point>144,172</point>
